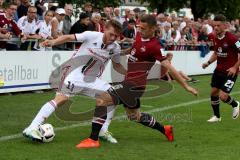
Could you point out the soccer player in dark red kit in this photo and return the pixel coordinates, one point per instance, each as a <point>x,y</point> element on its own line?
<point>226,49</point>
<point>143,54</point>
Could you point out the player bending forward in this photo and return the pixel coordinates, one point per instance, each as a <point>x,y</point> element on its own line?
<point>96,50</point>
<point>143,54</point>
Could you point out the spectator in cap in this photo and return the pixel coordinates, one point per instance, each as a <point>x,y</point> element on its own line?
<point>57,23</point>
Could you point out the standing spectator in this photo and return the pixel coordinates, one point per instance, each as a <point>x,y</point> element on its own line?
<point>27,24</point>
<point>23,8</point>
<point>130,31</point>
<point>161,19</point>
<point>18,3</point>
<point>39,4</point>
<point>103,21</point>
<point>107,12</point>
<point>7,22</point>
<point>167,32</point>
<point>131,15</point>
<point>1,6</point>
<point>94,25</point>
<point>137,12</point>
<point>88,9</point>
<point>67,22</point>
<point>117,15</point>
<point>57,23</point>
<point>80,26</point>
<point>126,17</point>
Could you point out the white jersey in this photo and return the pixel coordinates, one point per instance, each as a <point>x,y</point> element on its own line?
<point>25,26</point>
<point>94,55</point>
<point>44,30</point>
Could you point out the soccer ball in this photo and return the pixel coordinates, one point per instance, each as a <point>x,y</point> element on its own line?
<point>47,132</point>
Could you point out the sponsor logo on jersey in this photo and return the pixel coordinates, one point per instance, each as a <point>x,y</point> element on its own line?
<point>225,45</point>
<point>220,53</point>
<point>143,49</point>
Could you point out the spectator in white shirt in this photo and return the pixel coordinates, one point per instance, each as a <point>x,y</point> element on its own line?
<point>44,29</point>
<point>27,25</point>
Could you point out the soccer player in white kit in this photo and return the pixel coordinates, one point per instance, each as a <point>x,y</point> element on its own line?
<point>96,50</point>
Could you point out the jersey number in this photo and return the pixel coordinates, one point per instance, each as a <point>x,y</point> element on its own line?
<point>229,84</point>
<point>70,86</point>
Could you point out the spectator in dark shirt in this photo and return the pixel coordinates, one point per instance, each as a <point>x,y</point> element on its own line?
<point>81,25</point>
<point>23,8</point>
<point>39,4</point>
<point>130,31</point>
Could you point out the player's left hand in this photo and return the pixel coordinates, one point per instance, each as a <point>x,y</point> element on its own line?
<point>192,90</point>
<point>232,71</point>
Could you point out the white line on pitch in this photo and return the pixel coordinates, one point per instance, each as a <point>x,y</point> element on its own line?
<point>15,136</point>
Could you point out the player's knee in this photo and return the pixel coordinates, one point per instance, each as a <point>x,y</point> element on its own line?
<point>60,99</point>
<point>104,99</point>
<point>223,97</point>
<point>100,102</point>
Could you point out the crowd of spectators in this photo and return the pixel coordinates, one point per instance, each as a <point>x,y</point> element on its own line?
<point>32,23</point>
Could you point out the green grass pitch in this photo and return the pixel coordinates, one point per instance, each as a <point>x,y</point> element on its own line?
<point>195,139</point>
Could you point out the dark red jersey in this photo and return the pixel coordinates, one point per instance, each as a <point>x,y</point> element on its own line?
<point>10,25</point>
<point>227,49</point>
<point>143,56</point>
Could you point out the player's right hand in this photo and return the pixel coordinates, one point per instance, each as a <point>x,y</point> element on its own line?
<point>205,65</point>
<point>47,43</point>
<point>192,90</point>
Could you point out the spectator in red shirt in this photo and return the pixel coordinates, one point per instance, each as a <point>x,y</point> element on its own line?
<point>7,22</point>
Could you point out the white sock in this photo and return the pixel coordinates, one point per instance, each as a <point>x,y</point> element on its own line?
<point>46,110</point>
<point>110,114</point>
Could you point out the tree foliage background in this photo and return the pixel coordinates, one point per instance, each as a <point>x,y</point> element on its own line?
<point>200,8</point>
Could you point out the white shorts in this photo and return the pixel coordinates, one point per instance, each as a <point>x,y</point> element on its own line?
<point>76,83</point>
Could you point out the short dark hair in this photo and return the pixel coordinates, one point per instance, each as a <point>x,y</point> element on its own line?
<point>131,21</point>
<point>8,5</point>
<point>149,19</point>
<point>220,17</point>
<point>115,24</point>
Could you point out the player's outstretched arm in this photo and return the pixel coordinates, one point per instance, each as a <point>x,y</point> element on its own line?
<point>212,59</point>
<point>59,40</point>
<point>178,77</point>
<point>119,68</point>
